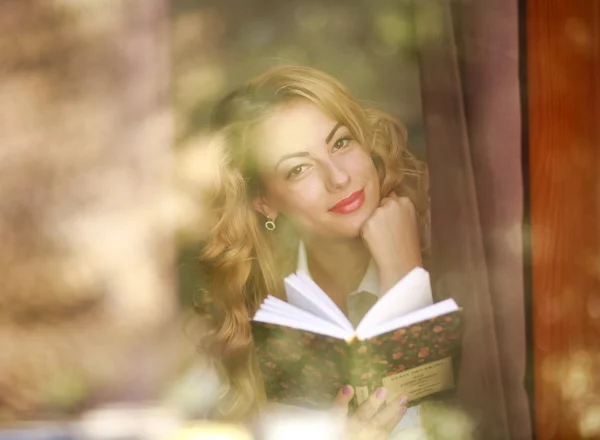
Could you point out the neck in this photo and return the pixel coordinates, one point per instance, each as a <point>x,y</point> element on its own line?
<point>337,267</point>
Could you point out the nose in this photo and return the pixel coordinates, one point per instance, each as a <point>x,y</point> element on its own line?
<point>336,177</point>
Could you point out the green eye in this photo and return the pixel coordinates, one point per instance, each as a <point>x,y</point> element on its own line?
<point>341,143</point>
<point>296,171</point>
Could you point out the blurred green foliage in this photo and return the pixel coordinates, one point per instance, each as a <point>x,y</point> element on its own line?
<point>368,45</point>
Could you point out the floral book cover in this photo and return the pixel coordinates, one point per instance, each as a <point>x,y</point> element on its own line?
<point>302,368</point>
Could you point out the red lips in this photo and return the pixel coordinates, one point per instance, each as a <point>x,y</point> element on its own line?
<point>349,204</point>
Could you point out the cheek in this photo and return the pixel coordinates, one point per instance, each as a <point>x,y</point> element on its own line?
<point>361,167</point>
<point>301,201</point>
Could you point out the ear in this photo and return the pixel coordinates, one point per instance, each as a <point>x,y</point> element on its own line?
<point>262,206</point>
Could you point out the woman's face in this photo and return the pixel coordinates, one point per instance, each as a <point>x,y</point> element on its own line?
<point>315,173</point>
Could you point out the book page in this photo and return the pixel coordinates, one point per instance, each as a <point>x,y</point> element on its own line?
<point>411,293</point>
<point>437,309</point>
<point>305,294</point>
<point>279,307</point>
<point>296,318</point>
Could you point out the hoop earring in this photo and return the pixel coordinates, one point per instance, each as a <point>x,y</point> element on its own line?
<point>270,225</point>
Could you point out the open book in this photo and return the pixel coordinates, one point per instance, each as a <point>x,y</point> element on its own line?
<point>308,350</point>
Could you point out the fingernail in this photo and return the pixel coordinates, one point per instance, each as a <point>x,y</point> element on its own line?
<point>402,409</point>
<point>347,390</point>
<point>403,401</point>
<point>381,393</point>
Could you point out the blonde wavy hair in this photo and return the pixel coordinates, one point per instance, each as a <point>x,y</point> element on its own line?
<point>243,261</point>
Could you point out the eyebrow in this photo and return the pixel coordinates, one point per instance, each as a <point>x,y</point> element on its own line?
<point>332,132</point>
<point>305,153</point>
<point>291,155</point>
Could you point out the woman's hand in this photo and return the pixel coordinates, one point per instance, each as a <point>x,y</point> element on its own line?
<point>368,421</point>
<point>392,237</point>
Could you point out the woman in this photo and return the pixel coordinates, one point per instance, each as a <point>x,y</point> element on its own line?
<point>310,179</point>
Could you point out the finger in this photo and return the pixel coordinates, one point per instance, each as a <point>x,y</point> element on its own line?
<point>393,197</point>
<point>367,410</point>
<point>391,415</point>
<point>385,201</point>
<point>406,201</point>
<point>343,399</point>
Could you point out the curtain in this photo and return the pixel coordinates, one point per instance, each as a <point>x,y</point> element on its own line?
<point>469,60</point>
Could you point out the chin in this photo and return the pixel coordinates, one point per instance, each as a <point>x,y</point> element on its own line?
<point>350,227</point>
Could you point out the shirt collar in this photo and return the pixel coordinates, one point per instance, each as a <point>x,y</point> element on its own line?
<point>370,282</point>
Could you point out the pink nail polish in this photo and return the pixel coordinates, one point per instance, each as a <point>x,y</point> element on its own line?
<point>347,390</point>
<point>381,392</point>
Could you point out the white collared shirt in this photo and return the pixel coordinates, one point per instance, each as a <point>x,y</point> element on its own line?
<point>370,283</point>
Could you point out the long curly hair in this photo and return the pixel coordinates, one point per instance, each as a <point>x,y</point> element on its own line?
<point>243,261</point>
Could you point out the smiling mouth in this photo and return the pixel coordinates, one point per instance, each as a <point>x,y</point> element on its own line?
<point>349,204</point>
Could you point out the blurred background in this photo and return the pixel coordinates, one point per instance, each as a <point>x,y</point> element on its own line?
<point>104,172</point>
<point>103,111</point>
<point>368,46</point>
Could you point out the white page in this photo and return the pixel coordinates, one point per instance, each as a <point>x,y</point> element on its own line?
<point>317,325</point>
<point>277,306</point>
<point>437,309</point>
<point>273,306</point>
<point>413,292</point>
<point>305,294</point>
